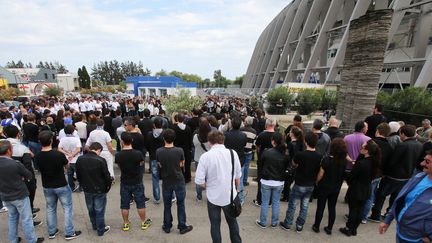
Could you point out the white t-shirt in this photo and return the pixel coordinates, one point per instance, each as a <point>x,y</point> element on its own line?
<point>214,170</point>
<point>81,128</point>
<point>115,105</point>
<point>70,144</point>
<point>100,136</point>
<point>62,134</point>
<point>83,107</point>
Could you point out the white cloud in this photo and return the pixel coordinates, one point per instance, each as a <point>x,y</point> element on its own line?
<point>201,36</point>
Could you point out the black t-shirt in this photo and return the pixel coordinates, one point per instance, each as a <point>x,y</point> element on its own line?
<point>51,165</point>
<point>169,159</point>
<point>308,167</point>
<point>129,162</point>
<point>264,141</point>
<point>373,121</point>
<point>31,132</point>
<point>138,142</point>
<point>333,175</point>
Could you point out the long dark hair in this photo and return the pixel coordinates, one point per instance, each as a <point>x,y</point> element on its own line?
<point>338,150</point>
<point>374,152</point>
<point>203,130</point>
<point>279,142</point>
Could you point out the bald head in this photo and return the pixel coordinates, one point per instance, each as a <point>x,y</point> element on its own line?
<point>333,122</point>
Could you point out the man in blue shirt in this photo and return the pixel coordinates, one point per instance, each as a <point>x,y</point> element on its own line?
<point>412,208</point>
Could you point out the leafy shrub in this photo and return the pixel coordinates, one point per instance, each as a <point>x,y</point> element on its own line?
<point>10,93</point>
<point>410,105</point>
<point>279,100</point>
<point>53,90</point>
<point>309,100</point>
<point>182,101</point>
<point>328,99</point>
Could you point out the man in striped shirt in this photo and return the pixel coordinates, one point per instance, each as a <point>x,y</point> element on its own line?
<point>251,135</point>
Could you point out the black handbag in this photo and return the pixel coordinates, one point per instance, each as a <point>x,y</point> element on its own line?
<point>234,207</point>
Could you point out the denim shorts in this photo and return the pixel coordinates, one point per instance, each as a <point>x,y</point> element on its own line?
<point>129,192</point>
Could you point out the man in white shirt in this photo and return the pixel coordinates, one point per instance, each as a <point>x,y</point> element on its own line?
<point>70,146</point>
<point>81,128</point>
<point>114,105</point>
<point>82,106</point>
<point>62,133</point>
<point>214,174</point>
<point>102,137</point>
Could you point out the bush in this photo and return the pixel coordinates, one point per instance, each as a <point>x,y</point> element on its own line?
<point>182,101</point>
<point>328,99</point>
<point>410,105</point>
<point>309,100</point>
<point>53,90</point>
<point>10,93</point>
<point>279,100</point>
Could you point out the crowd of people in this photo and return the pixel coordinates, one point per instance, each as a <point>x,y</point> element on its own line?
<point>74,144</point>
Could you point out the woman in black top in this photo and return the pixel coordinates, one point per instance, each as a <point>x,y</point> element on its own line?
<point>295,144</point>
<point>91,125</point>
<point>329,182</point>
<point>359,182</point>
<point>274,161</point>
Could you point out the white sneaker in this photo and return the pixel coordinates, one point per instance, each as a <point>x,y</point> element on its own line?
<point>174,199</point>
<point>3,210</point>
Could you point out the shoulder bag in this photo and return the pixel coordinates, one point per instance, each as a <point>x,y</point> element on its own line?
<point>234,207</point>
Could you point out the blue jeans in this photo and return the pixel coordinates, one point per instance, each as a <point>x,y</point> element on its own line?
<point>241,194</point>
<point>155,179</point>
<point>168,194</point>
<point>70,173</point>
<point>52,195</point>
<point>20,209</point>
<point>96,204</point>
<point>245,168</point>
<point>268,192</point>
<point>371,200</point>
<point>302,193</point>
<point>214,213</point>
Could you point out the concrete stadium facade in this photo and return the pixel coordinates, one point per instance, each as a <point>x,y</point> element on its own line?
<point>306,42</point>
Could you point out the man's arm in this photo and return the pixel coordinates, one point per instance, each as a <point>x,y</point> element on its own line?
<point>25,173</point>
<point>201,173</point>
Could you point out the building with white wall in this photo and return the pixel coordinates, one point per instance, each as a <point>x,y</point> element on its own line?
<point>157,85</point>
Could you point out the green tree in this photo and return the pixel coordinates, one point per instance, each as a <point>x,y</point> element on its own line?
<point>309,100</point>
<point>53,90</point>
<point>182,101</point>
<point>161,73</point>
<point>328,99</point>
<point>239,80</point>
<point>279,100</point>
<point>410,105</point>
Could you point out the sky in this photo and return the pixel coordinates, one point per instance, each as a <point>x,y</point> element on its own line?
<point>191,36</point>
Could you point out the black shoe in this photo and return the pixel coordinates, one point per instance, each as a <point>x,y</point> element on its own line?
<point>374,219</point>
<point>187,229</point>
<point>299,228</point>
<point>315,229</point>
<point>146,199</point>
<point>73,236</point>
<point>346,216</point>
<point>284,226</point>
<point>166,230</point>
<point>52,236</point>
<point>246,184</point>
<point>255,179</point>
<point>34,215</point>
<point>262,226</point>
<point>40,239</point>
<point>37,223</point>
<point>19,239</point>
<point>256,203</point>
<point>35,210</point>
<point>345,231</point>
<point>328,230</point>
<point>284,199</point>
<point>353,232</point>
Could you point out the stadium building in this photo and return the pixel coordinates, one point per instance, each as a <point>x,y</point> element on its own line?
<point>306,43</point>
